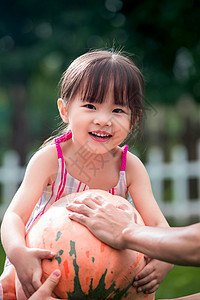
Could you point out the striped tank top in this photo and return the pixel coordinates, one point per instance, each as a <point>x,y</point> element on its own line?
<point>65,184</point>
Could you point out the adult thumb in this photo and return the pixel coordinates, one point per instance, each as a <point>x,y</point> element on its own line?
<point>52,281</point>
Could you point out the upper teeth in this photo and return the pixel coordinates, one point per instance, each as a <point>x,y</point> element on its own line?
<point>100,134</point>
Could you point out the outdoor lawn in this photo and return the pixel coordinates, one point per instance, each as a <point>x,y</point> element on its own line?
<point>179,282</point>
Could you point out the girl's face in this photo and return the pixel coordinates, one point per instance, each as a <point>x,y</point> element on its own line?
<point>99,127</point>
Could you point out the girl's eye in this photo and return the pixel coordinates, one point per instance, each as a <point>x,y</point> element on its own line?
<point>118,110</point>
<point>90,106</point>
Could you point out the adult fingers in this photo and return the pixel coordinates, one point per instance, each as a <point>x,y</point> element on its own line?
<point>82,203</point>
<point>79,218</point>
<point>79,208</point>
<point>51,282</point>
<point>90,199</point>
<point>123,206</point>
<point>45,291</point>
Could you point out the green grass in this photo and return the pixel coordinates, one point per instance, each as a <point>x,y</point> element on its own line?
<point>181,281</point>
<point>2,258</point>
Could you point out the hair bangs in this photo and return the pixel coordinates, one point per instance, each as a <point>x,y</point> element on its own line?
<point>102,78</point>
<point>96,82</point>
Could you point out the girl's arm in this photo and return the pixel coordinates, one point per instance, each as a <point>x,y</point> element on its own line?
<point>149,279</point>
<point>139,187</point>
<point>38,174</point>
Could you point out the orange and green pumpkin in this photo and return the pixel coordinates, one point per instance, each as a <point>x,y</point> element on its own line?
<point>89,268</point>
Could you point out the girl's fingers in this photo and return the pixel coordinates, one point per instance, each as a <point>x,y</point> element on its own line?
<point>36,279</point>
<point>28,290</point>
<point>147,272</point>
<point>143,281</point>
<point>150,288</point>
<point>44,254</point>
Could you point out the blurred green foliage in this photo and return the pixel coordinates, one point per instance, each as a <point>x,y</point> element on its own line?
<point>38,40</point>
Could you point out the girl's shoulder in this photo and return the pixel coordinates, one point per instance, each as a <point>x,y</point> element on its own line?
<point>48,152</point>
<point>135,169</point>
<point>133,160</point>
<point>45,160</point>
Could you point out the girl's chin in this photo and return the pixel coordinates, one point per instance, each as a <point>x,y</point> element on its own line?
<point>95,145</point>
<point>97,148</point>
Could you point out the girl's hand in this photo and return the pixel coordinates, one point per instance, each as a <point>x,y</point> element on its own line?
<point>29,269</point>
<point>149,279</point>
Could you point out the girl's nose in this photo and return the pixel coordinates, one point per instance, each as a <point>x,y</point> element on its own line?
<point>103,120</point>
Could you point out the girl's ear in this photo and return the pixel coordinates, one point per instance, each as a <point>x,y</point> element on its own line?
<point>62,110</point>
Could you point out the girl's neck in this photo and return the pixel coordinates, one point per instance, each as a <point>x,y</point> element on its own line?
<point>90,167</point>
<point>83,152</point>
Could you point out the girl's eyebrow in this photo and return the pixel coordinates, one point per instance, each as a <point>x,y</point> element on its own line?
<point>88,99</point>
<point>122,105</point>
<point>92,99</point>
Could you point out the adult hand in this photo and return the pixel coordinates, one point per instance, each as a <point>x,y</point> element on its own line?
<point>45,291</point>
<point>103,219</point>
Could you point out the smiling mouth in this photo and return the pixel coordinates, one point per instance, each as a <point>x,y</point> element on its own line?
<point>100,135</point>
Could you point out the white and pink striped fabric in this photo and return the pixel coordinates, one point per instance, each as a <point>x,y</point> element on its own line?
<point>65,184</point>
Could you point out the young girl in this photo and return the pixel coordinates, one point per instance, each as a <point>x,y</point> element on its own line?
<point>102,101</point>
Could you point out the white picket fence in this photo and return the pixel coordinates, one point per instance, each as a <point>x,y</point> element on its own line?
<point>178,172</point>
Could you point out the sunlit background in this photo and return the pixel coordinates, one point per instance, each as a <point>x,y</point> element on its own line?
<point>38,40</point>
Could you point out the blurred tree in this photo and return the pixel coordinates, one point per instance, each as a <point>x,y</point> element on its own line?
<point>167,37</point>
<point>38,39</point>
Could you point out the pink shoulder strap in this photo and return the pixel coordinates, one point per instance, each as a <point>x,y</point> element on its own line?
<point>60,139</point>
<point>123,165</point>
<point>63,170</point>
